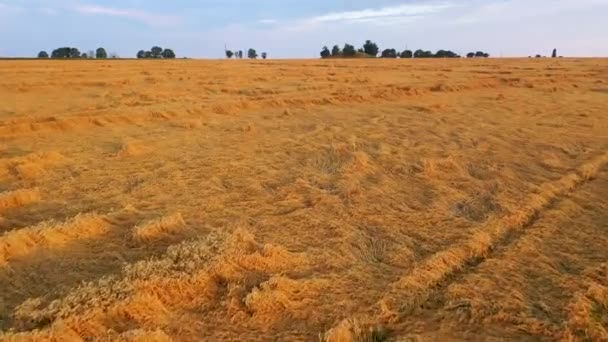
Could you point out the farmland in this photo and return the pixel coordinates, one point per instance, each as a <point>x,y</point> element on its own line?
<point>339,200</point>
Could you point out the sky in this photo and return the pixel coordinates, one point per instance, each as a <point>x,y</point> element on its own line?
<point>300,28</point>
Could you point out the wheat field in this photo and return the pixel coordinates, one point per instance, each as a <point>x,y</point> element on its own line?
<point>308,200</point>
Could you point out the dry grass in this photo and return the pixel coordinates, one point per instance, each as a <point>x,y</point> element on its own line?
<point>18,198</point>
<point>156,229</point>
<point>19,243</point>
<point>340,200</point>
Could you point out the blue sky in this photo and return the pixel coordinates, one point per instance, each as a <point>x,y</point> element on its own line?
<point>299,28</point>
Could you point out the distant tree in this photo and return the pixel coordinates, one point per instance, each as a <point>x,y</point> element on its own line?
<point>360,50</point>
<point>148,54</point>
<point>389,53</point>
<point>84,55</point>
<point>252,54</point>
<point>168,53</point>
<point>141,54</point>
<point>446,54</point>
<point>349,50</point>
<point>101,53</point>
<point>229,54</point>
<point>63,52</point>
<point>423,54</point>
<point>538,56</point>
<point>264,55</point>
<point>470,54</point>
<point>479,54</point>
<point>407,54</point>
<point>240,54</point>
<point>371,48</point>
<point>336,51</point>
<point>486,55</point>
<point>43,54</point>
<point>157,52</point>
<point>554,54</point>
<point>325,52</point>
<point>74,53</point>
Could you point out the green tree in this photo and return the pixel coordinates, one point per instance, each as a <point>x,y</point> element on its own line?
<point>63,52</point>
<point>252,54</point>
<point>389,53</point>
<point>148,54</point>
<point>229,54</point>
<point>371,48</point>
<point>446,54</point>
<point>168,53</point>
<point>141,54</point>
<point>470,54</point>
<point>101,53</point>
<point>264,55</point>
<point>423,54</point>
<point>240,54</point>
<point>74,53</point>
<point>349,50</point>
<point>43,54</point>
<point>554,54</point>
<point>325,52</point>
<point>407,54</point>
<point>335,51</point>
<point>157,52</point>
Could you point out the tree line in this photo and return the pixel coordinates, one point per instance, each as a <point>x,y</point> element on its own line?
<point>101,53</point>
<point>72,52</point>
<point>371,49</point>
<point>156,52</point>
<point>251,54</point>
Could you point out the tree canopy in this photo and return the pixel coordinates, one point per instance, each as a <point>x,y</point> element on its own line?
<point>407,54</point>
<point>336,51</point>
<point>168,53</point>
<point>229,54</point>
<point>389,53</point>
<point>348,50</point>
<point>43,54</point>
<point>156,52</point>
<point>325,52</point>
<point>252,54</point>
<point>371,48</point>
<point>101,53</point>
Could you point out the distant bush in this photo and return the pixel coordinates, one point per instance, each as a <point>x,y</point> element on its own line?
<point>478,54</point>
<point>252,54</point>
<point>229,54</point>
<point>43,54</point>
<point>264,55</point>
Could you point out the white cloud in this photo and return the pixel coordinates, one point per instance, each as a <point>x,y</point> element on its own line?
<point>267,21</point>
<point>394,12</point>
<point>133,14</point>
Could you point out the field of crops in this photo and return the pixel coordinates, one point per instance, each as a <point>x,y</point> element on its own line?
<point>336,200</point>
